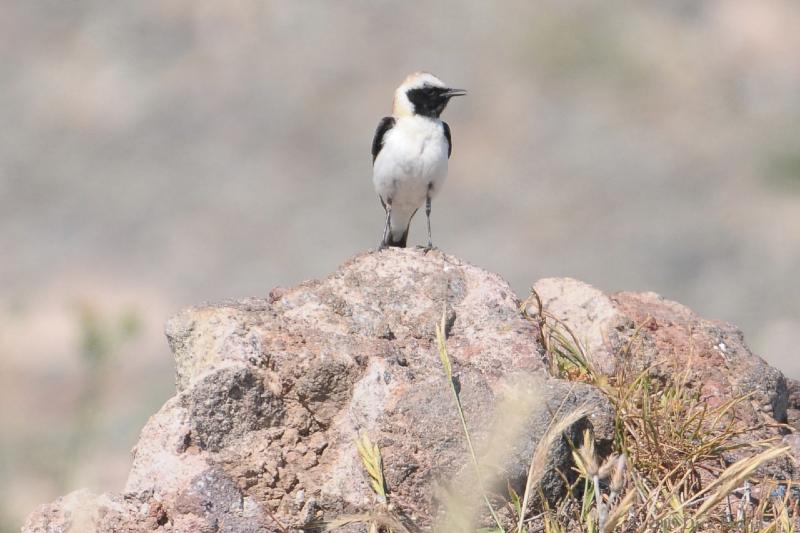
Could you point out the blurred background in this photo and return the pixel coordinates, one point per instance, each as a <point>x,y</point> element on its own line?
<point>158,154</point>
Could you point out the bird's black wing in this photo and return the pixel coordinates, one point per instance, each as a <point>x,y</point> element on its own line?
<point>385,125</point>
<point>449,140</point>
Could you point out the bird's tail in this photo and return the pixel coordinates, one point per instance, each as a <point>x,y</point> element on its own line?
<point>399,242</point>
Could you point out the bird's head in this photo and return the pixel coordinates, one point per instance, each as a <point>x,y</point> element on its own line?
<point>422,93</point>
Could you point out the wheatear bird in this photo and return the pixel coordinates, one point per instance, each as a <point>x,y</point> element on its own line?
<point>410,152</point>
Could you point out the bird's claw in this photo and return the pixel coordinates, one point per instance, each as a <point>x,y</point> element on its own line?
<point>428,248</point>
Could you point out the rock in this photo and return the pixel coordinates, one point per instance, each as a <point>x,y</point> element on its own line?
<point>272,394</point>
<point>793,409</point>
<point>84,511</point>
<point>709,355</point>
<point>676,344</point>
<point>588,313</point>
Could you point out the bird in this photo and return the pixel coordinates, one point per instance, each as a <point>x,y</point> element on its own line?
<point>410,151</point>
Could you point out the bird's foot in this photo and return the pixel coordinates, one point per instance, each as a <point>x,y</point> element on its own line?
<point>428,248</point>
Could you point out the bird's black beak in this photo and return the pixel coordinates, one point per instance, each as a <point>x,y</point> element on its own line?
<point>449,93</point>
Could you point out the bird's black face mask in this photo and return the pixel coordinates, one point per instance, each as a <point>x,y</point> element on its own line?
<point>430,101</point>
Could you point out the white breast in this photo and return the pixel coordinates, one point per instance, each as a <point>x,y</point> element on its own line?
<point>412,163</point>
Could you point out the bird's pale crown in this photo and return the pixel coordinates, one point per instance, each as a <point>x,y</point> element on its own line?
<point>402,106</point>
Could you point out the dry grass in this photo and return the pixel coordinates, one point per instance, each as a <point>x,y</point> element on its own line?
<point>382,518</point>
<point>668,471</point>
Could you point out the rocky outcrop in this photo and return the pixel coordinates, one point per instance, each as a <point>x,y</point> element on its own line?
<point>671,340</point>
<point>675,344</point>
<point>793,410</point>
<point>273,392</point>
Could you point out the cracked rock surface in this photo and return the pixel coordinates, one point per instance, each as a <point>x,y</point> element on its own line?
<point>272,393</point>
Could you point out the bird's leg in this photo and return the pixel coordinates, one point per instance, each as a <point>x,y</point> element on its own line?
<point>388,207</point>
<point>428,215</point>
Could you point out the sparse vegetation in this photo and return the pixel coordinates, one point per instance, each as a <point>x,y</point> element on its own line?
<point>667,473</point>
<point>448,370</point>
<point>382,518</point>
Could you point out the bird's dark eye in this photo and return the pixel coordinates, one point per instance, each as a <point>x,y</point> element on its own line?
<point>428,91</point>
<point>427,100</point>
